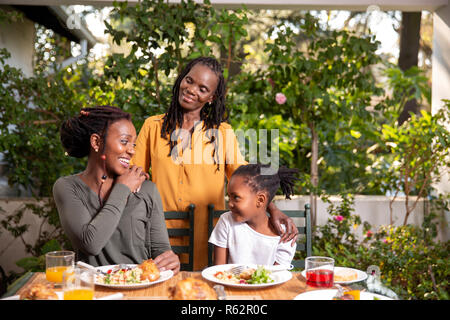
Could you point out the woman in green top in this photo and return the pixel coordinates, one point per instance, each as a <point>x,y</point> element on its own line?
<point>110,212</point>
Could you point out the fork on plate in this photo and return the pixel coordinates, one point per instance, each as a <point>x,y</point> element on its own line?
<point>238,269</point>
<point>275,268</point>
<point>88,266</point>
<point>120,267</point>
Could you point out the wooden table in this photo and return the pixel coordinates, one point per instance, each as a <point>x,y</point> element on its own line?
<point>160,291</point>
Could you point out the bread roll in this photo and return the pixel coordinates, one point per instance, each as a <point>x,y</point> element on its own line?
<point>39,291</point>
<point>345,275</point>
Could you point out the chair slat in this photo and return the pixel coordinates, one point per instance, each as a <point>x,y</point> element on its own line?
<point>180,232</point>
<point>176,215</point>
<point>180,249</point>
<point>294,213</point>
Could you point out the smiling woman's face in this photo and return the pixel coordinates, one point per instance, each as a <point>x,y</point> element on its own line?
<point>120,146</point>
<point>197,88</point>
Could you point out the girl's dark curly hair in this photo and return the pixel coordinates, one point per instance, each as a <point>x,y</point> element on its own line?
<point>212,114</point>
<point>76,132</point>
<point>260,178</point>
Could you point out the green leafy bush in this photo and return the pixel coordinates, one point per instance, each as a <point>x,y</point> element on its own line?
<point>412,263</point>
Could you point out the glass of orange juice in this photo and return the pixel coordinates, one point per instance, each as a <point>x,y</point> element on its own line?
<point>78,284</point>
<point>56,262</point>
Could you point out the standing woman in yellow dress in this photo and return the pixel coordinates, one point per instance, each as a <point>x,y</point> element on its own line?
<point>191,150</point>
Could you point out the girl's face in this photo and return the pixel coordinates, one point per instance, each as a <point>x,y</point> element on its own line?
<point>197,88</point>
<point>243,202</point>
<point>120,144</point>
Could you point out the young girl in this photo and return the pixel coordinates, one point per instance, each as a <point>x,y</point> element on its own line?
<point>244,234</point>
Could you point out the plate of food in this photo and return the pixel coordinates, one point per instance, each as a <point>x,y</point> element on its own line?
<point>330,294</point>
<point>343,275</point>
<point>253,276</point>
<point>131,276</point>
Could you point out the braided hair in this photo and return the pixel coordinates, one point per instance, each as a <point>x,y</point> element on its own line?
<point>212,114</point>
<point>76,132</point>
<point>254,175</point>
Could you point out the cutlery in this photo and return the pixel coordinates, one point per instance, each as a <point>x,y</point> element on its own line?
<point>275,268</point>
<point>88,266</point>
<point>220,292</point>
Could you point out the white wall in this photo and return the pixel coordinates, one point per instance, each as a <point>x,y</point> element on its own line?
<point>18,39</point>
<point>13,249</point>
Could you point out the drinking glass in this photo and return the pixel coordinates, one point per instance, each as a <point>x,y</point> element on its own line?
<point>78,284</point>
<point>319,272</point>
<point>56,262</point>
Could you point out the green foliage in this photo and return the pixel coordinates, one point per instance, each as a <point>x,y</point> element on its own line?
<point>31,111</point>
<point>414,154</point>
<point>163,38</point>
<point>37,263</point>
<point>326,79</point>
<point>407,85</point>
<point>411,261</point>
<point>10,16</point>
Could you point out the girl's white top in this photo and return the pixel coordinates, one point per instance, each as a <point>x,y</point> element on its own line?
<point>246,246</point>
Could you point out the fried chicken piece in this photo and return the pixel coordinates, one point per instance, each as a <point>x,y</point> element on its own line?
<point>149,270</point>
<point>39,292</point>
<point>246,274</point>
<point>192,289</point>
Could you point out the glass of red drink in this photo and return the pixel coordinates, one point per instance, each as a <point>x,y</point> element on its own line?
<point>319,272</point>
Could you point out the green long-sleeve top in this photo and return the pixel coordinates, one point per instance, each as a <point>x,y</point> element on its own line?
<point>128,228</point>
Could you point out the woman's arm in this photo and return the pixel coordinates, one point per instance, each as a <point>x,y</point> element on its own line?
<point>165,258</point>
<point>277,217</point>
<point>87,233</point>
<point>158,230</point>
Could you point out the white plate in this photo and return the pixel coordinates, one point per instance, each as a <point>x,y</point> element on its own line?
<point>278,277</point>
<point>361,275</point>
<point>164,275</point>
<point>328,294</point>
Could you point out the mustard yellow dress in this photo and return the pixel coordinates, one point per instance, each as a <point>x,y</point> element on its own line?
<point>191,175</point>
